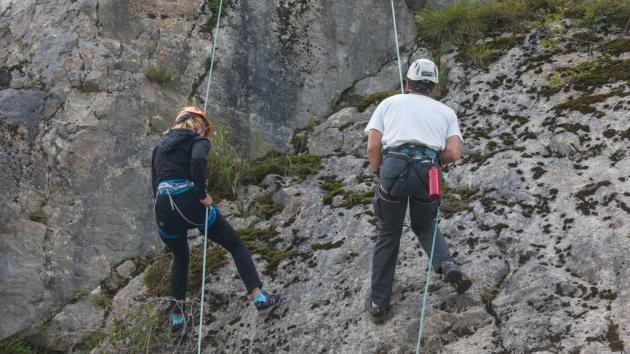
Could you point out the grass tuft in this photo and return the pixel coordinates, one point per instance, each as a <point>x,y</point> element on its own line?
<point>159,75</point>
<point>16,346</point>
<point>157,276</point>
<point>38,216</point>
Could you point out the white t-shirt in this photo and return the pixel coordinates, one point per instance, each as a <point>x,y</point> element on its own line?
<point>414,119</point>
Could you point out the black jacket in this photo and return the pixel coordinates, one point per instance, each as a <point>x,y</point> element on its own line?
<point>181,153</point>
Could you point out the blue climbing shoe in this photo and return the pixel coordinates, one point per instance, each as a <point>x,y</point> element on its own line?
<point>178,324</point>
<point>266,304</point>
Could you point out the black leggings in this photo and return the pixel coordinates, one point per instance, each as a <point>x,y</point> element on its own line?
<point>173,229</point>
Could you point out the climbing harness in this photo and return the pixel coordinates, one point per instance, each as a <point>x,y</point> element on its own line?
<point>205,236</point>
<point>175,187</point>
<point>402,86</point>
<point>425,296</point>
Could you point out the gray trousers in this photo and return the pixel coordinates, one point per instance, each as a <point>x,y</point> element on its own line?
<point>391,215</point>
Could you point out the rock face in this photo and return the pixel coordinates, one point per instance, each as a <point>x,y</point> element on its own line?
<point>86,86</point>
<point>537,218</point>
<point>283,64</point>
<point>536,212</point>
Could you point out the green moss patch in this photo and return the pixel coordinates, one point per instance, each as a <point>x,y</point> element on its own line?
<point>266,208</point>
<point>327,245</point>
<point>300,166</point>
<point>159,75</point>
<point>351,197</point>
<point>584,104</point>
<point>16,346</point>
<point>38,216</point>
<point>617,46</point>
<point>368,100</point>
<point>454,200</point>
<point>263,242</point>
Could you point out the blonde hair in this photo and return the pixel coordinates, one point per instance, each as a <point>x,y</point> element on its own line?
<point>194,124</point>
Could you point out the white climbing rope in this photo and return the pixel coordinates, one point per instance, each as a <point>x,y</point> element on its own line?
<point>215,40</point>
<point>205,236</point>
<point>402,85</point>
<point>425,296</point>
<point>203,281</point>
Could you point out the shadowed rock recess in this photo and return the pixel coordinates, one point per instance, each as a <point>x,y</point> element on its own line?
<point>537,211</point>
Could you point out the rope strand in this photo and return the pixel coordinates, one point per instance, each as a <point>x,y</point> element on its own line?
<point>402,86</point>
<point>425,296</point>
<point>215,40</point>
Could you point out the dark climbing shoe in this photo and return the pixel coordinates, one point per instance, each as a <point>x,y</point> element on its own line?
<point>456,277</point>
<point>378,314</point>
<point>267,307</point>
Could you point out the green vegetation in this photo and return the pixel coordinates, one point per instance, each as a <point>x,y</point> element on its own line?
<point>454,200</point>
<point>213,6</point>
<point>157,276</point>
<point>79,294</point>
<point>159,75</point>
<point>15,346</point>
<point>617,47</point>
<point>327,245</point>
<point>365,102</point>
<point>584,104</point>
<point>227,170</point>
<point>333,188</point>
<point>38,216</point>
<point>465,23</point>
<point>266,208</point>
<point>91,341</point>
<point>140,331</point>
<point>300,166</point>
<point>263,243</point>
<point>350,197</point>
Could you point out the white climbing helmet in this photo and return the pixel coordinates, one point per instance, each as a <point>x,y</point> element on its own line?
<point>423,69</point>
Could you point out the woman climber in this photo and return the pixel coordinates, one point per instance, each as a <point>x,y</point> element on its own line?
<point>179,169</point>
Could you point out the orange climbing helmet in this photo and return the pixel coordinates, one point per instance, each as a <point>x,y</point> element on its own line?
<point>195,112</point>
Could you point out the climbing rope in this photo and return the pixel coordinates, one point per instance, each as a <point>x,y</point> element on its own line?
<point>203,280</point>
<point>402,86</point>
<point>214,50</point>
<point>427,282</point>
<point>205,236</point>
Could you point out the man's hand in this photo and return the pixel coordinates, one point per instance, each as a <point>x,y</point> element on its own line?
<point>207,201</point>
<point>374,147</point>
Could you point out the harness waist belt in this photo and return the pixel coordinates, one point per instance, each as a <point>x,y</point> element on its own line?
<point>174,186</point>
<point>413,150</point>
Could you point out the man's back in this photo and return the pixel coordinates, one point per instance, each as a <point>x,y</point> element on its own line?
<point>413,118</point>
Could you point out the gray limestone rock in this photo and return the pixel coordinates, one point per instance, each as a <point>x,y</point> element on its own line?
<point>72,325</point>
<point>565,144</point>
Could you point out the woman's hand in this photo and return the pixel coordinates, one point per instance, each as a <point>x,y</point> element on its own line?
<point>207,201</point>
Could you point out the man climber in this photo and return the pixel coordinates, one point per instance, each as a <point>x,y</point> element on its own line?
<point>407,134</point>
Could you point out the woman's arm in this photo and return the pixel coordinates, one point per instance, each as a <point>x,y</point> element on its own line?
<point>199,166</point>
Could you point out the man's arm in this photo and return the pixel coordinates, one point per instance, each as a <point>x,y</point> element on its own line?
<point>453,151</point>
<point>374,149</point>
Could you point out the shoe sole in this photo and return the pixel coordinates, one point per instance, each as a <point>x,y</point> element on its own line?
<point>268,311</point>
<point>376,319</point>
<point>459,281</point>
